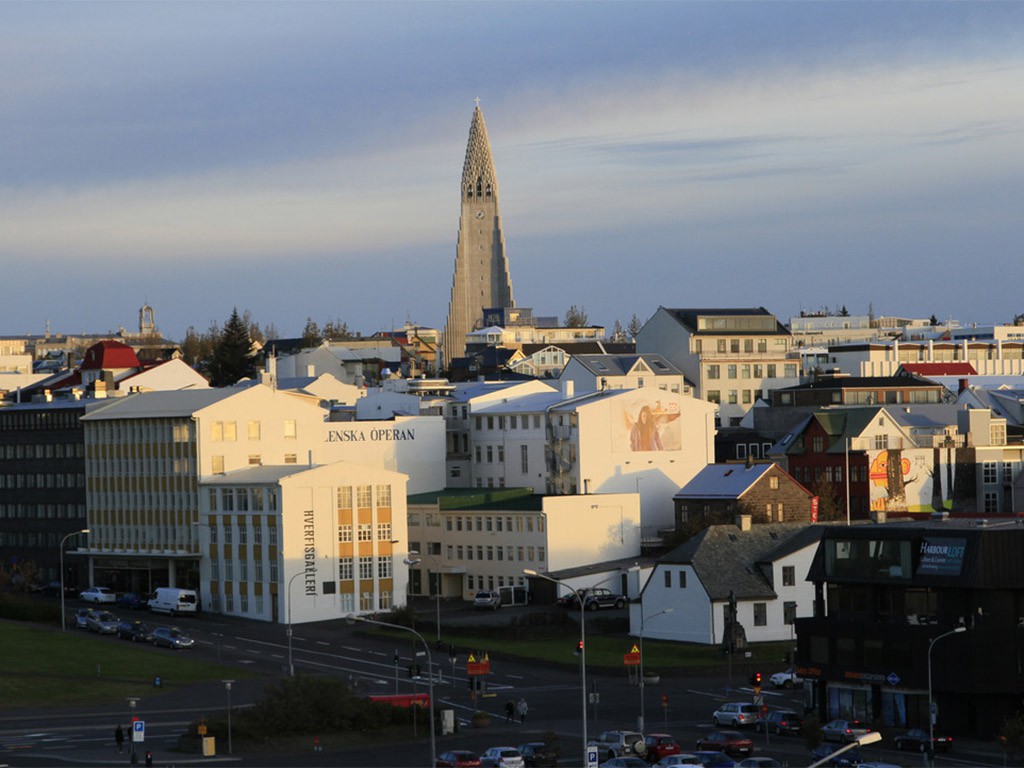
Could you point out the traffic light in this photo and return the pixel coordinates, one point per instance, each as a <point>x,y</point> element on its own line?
<point>413,670</point>
<point>579,647</point>
<point>755,679</point>
<point>396,658</point>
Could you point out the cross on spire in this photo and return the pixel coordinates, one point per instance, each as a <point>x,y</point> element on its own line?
<point>477,102</point>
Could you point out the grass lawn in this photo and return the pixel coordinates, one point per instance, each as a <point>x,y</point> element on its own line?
<point>41,666</point>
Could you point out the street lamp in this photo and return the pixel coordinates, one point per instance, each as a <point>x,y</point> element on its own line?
<point>132,702</point>
<point>227,686</point>
<point>583,646</point>
<point>291,665</point>
<point>437,585</point>
<point>352,618</point>
<point>860,741</point>
<point>63,619</point>
<point>640,724</point>
<point>931,706</point>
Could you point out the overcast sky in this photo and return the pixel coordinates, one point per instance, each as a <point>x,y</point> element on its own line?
<point>303,159</point>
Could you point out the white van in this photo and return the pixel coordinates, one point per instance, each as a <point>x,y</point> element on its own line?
<point>173,601</point>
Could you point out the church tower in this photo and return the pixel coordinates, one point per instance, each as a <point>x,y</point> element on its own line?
<point>481,267</point>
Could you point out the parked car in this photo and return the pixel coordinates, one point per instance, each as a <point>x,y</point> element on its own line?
<point>502,757</point>
<point>487,599</point>
<point>133,601</point>
<point>848,758</point>
<point>171,637</point>
<point>625,762</point>
<point>619,744</point>
<point>103,622</point>
<point>843,731</point>
<point>593,599</point>
<point>51,589</point>
<point>660,745</point>
<point>538,754</point>
<point>738,714</point>
<point>761,761</point>
<point>97,595</point>
<point>786,679</point>
<point>683,758</point>
<point>714,759</point>
<point>458,758</point>
<point>136,631</point>
<point>81,614</point>
<point>916,740</point>
<point>731,742</point>
<point>780,721</point>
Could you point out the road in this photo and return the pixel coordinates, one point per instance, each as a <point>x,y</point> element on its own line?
<point>85,736</point>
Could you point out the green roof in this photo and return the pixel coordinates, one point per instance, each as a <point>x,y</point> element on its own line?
<point>481,498</point>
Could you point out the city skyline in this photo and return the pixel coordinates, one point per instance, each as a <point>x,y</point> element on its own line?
<point>303,159</point>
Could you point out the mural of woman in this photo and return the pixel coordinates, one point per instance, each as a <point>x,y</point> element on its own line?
<point>644,435</point>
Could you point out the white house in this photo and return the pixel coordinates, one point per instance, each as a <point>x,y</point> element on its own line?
<point>589,373</point>
<point>764,566</point>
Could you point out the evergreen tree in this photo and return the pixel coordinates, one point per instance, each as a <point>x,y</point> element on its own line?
<point>576,317</point>
<point>311,336</point>
<point>634,327</point>
<point>232,358</point>
<point>617,333</point>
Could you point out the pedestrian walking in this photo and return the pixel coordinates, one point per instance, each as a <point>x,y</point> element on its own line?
<point>510,711</point>
<point>521,709</point>
<point>119,738</point>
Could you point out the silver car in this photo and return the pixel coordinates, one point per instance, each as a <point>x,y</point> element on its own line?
<point>843,731</point>
<point>97,595</point>
<point>171,637</point>
<point>103,622</point>
<point>737,714</point>
<point>502,757</point>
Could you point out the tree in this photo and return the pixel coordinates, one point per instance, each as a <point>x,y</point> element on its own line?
<point>933,321</point>
<point>617,333</point>
<point>831,500</point>
<point>634,326</point>
<point>311,335</point>
<point>335,330</point>
<point>576,317</point>
<point>232,357</point>
<point>1011,735</point>
<point>843,312</point>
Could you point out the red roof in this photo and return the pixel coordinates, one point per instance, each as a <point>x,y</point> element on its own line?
<point>109,355</point>
<point>940,369</point>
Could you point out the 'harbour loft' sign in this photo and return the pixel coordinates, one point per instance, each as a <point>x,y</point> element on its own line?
<point>370,435</point>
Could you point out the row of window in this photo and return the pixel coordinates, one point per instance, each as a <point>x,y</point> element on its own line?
<point>123,466</point>
<point>42,451</point>
<point>751,371</point>
<point>242,499</point>
<point>368,567</point>
<point>227,431</point>
<point>990,472</point>
<point>139,432</point>
<point>829,474</point>
<point>43,480</point>
<point>42,511</point>
<point>480,523</point>
<point>222,530</point>
<point>734,397</point>
<point>476,582</point>
<point>515,421</point>
<point>511,554</point>
<point>364,532</point>
<point>44,419</point>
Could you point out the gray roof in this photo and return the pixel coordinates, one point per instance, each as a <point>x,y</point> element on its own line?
<point>257,475</point>
<point>726,558</point>
<point>152,405</point>
<point>620,365</point>
<point>535,402</point>
<point>722,481</point>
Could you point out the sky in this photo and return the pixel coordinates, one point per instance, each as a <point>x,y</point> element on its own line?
<point>302,159</point>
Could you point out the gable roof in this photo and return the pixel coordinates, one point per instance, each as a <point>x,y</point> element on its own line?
<point>723,481</point>
<point>938,369</point>
<point>108,355</point>
<point>727,559</point>
<point>622,365</point>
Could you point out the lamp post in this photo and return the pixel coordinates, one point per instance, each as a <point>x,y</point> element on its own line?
<point>227,687</point>
<point>437,585</point>
<point>583,647</point>
<point>291,665</point>
<point>860,741</point>
<point>352,618</point>
<point>63,619</point>
<point>931,710</point>
<point>640,724</point>
<point>132,702</point>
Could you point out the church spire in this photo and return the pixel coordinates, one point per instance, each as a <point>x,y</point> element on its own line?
<point>479,180</point>
<point>481,278</point>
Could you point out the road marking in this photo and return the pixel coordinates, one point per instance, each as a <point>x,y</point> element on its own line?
<point>352,648</point>
<point>321,642</point>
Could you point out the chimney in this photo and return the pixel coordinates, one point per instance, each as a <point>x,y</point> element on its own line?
<point>963,386</point>
<point>568,388</point>
<point>743,522</point>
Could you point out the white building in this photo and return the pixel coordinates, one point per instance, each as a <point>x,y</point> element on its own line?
<point>291,545</point>
<point>990,357</point>
<point>589,373</point>
<point>732,356</point>
<point>764,566</point>
<point>147,453</point>
<point>470,539</point>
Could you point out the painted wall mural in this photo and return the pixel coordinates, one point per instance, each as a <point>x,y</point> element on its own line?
<point>639,424</point>
<point>912,480</point>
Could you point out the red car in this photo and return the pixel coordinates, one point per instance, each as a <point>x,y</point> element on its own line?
<point>660,745</point>
<point>458,758</point>
<point>731,742</point>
